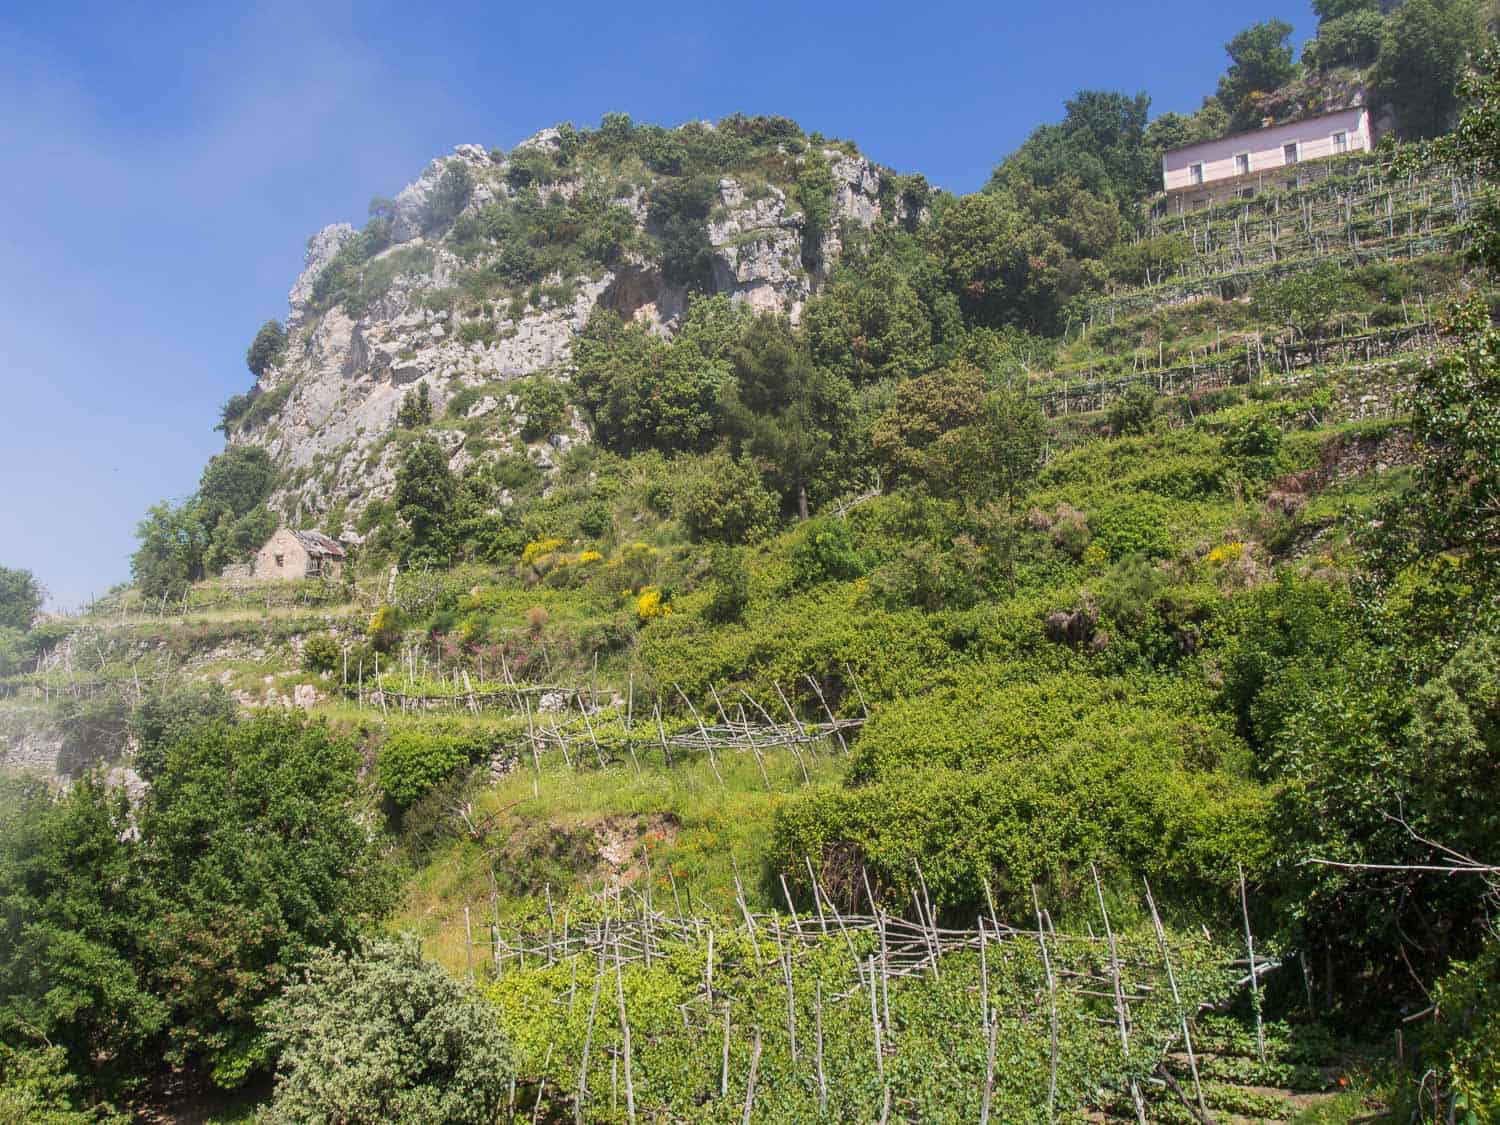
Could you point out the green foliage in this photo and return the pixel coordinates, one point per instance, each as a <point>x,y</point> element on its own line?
<point>416,408</point>
<point>1132,526</point>
<point>449,196</point>
<point>254,853</point>
<point>1423,50</point>
<point>729,586</point>
<point>641,392</point>
<point>381,1034</point>
<point>1101,145</point>
<point>721,500</point>
<point>72,972</point>
<point>425,494</point>
<point>267,348</point>
<point>825,552</point>
<point>1348,40</point>
<point>1307,300</point>
<point>544,401</point>
<point>678,212</point>
<point>170,555</point>
<point>412,761</point>
<point>1260,63</point>
<point>1133,412</point>
<point>385,628</point>
<point>1149,259</point>
<point>1464,1040</point>
<point>1004,268</point>
<point>814,194</point>
<point>230,506</point>
<point>321,653</point>
<point>782,412</point>
<point>1328,10</point>
<point>21,598</point>
<point>170,714</point>
<point>1447,520</point>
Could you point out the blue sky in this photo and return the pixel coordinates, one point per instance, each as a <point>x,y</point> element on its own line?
<point>162,167</point>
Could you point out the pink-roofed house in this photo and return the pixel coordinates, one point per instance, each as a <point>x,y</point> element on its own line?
<point>1209,171</point>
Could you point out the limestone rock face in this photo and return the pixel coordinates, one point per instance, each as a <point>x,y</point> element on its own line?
<point>345,371</point>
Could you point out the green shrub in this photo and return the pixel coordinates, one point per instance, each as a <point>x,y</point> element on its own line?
<point>721,500</point>
<point>321,653</point>
<point>544,401</point>
<point>1135,526</point>
<point>266,349</point>
<point>825,552</point>
<point>729,586</point>
<point>385,627</point>
<point>382,1034</point>
<point>412,761</point>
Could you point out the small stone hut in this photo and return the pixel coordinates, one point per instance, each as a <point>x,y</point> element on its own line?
<point>298,554</point>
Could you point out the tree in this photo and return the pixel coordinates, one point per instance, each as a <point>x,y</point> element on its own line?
<point>1100,144</point>
<point>1328,10</point>
<point>722,500</point>
<point>1260,63</point>
<point>1448,520</point>
<point>780,410</point>
<point>927,407</point>
<point>255,849</point>
<point>425,490</point>
<point>170,555</point>
<point>1002,266</point>
<point>1307,301</point>
<point>416,408</point>
<point>21,598</point>
<point>235,481</point>
<point>1349,40</point>
<point>995,457</point>
<point>381,1034</point>
<point>266,349</point>
<point>169,714</point>
<point>71,935</point>
<point>642,392</point>
<point>449,195</point>
<point>1422,54</point>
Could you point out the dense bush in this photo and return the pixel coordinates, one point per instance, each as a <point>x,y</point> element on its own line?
<point>267,347</point>
<point>721,500</point>
<point>412,761</point>
<point>321,653</point>
<point>381,1034</point>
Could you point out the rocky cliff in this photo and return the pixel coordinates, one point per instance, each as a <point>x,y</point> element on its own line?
<point>484,270</point>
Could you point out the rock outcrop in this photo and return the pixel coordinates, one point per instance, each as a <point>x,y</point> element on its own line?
<point>345,371</point>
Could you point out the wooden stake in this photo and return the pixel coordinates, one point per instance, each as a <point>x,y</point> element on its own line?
<point>818,1049</point>
<point>1260,1034</point>
<point>1114,967</point>
<point>1187,1036</point>
<point>625,1030</point>
<point>1041,937</point>
<point>750,1084</point>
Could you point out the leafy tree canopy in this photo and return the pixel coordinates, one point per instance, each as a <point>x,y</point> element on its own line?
<point>21,598</point>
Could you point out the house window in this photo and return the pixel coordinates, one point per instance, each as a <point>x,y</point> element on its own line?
<point>1289,153</point>
<point>1242,164</point>
<point>1341,142</point>
<point>280,560</point>
<point>1195,173</point>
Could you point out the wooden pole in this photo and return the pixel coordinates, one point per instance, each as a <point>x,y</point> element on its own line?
<point>818,1048</point>
<point>625,1031</point>
<point>1041,937</point>
<point>1260,1034</point>
<point>1114,967</point>
<point>750,1084</point>
<point>1187,1035</point>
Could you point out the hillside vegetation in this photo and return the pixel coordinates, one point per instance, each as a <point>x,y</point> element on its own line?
<point>1018,659</point>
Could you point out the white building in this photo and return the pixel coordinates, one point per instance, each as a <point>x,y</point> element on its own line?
<point>1209,171</point>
